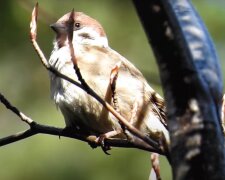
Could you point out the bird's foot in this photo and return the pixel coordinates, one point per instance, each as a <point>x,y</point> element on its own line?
<point>101,140</point>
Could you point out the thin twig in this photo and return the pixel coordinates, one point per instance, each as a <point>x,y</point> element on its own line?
<point>36,128</point>
<point>50,130</point>
<point>16,137</point>
<point>155,171</point>
<point>22,116</point>
<point>45,16</point>
<point>72,53</point>
<point>33,36</point>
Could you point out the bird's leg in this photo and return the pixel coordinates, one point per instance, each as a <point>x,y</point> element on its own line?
<point>113,80</point>
<point>134,112</point>
<point>110,97</point>
<point>110,94</point>
<point>101,140</point>
<point>112,85</point>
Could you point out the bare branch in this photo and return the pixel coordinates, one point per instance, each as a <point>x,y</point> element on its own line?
<point>33,23</point>
<point>45,16</point>
<point>43,129</point>
<point>36,128</point>
<point>73,58</point>
<point>16,137</point>
<point>8,105</point>
<point>44,61</point>
<point>155,171</point>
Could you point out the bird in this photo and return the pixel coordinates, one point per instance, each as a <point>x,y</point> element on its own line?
<point>132,96</point>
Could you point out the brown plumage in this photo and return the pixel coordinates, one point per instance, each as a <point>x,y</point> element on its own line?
<point>136,100</point>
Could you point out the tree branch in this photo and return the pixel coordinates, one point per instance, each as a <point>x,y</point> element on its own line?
<point>16,137</point>
<point>8,105</point>
<point>36,128</point>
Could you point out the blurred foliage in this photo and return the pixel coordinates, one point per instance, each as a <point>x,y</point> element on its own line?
<point>25,83</point>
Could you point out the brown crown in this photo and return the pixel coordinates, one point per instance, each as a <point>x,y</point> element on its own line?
<point>84,20</point>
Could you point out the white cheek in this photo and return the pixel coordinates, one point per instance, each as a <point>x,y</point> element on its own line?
<point>102,41</point>
<point>95,39</point>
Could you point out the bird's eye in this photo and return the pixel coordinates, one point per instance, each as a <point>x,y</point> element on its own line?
<point>77,25</point>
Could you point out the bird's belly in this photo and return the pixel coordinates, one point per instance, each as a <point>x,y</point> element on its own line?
<point>82,111</point>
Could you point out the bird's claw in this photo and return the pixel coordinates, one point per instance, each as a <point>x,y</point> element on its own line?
<point>101,140</point>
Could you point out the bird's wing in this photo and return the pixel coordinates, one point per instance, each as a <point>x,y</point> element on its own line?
<point>156,100</point>
<point>136,82</point>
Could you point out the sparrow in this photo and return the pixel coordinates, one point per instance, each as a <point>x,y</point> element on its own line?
<point>132,96</point>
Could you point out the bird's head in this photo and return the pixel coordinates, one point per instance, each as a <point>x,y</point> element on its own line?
<point>86,30</point>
